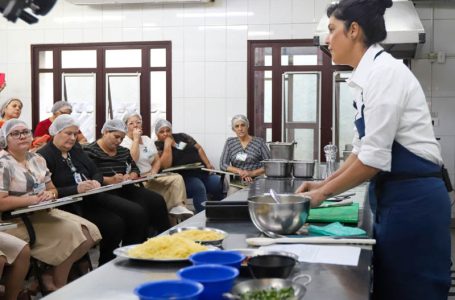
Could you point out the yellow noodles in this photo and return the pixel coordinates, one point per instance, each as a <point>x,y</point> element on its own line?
<point>166,247</point>
<point>200,235</point>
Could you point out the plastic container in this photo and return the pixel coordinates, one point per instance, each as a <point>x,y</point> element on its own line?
<point>216,279</point>
<point>169,289</point>
<point>219,257</point>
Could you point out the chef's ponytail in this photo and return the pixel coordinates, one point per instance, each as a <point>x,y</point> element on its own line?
<point>369,14</point>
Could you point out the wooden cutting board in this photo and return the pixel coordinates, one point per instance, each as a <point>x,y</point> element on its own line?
<point>343,214</point>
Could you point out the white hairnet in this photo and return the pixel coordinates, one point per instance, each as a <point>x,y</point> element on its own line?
<point>114,125</point>
<point>7,128</point>
<point>59,105</point>
<point>4,105</point>
<point>130,115</point>
<point>62,122</point>
<point>160,123</point>
<point>240,118</point>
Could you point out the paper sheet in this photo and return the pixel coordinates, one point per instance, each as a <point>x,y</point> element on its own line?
<point>337,255</point>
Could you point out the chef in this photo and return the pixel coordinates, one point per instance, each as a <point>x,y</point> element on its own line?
<point>395,148</point>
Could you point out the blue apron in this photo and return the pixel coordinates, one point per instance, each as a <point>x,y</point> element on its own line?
<point>412,228</point>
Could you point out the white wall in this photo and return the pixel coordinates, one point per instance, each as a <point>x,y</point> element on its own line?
<point>209,45</point>
<point>437,79</point>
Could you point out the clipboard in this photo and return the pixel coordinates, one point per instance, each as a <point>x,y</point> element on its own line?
<point>183,167</point>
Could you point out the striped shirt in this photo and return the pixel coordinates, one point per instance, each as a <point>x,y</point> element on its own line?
<point>110,165</point>
<point>248,158</point>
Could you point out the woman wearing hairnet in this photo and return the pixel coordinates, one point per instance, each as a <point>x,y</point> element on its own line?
<point>11,109</point>
<point>180,149</point>
<point>144,153</point>
<point>26,181</point>
<point>243,154</point>
<point>395,148</point>
<point>116,165</point>
<point>41,133</point>
<point>73,172</point>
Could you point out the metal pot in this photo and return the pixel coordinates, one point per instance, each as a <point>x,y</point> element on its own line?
<point>282,150</point>
<point>277,168</point>
<point>302,168</point>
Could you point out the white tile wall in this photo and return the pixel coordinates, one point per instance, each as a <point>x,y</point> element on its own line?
<point>209,52</point>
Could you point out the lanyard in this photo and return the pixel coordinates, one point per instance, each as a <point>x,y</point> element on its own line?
<point>77,175</point>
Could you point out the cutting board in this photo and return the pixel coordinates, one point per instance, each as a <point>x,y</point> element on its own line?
<point>343,214</point>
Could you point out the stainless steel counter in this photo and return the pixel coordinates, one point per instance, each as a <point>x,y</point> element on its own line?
<point>118,278</point>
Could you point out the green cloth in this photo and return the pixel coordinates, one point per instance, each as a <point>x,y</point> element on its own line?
<point>335,229</point>
<point>343,214</point>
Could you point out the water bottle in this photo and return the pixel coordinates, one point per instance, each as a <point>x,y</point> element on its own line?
<point>330,151</point>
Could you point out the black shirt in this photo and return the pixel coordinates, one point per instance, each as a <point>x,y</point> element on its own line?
<point>188,155</point>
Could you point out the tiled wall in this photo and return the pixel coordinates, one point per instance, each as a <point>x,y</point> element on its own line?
<point>437,79</point>
<point>209,45</point>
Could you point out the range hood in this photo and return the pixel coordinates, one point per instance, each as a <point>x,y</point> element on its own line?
<point>403,25</point>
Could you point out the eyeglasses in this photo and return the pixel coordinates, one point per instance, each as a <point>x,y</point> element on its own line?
<point>65,112</point>
<point>18,134</point>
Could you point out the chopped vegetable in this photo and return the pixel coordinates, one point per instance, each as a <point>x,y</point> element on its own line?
<point>270,294</point>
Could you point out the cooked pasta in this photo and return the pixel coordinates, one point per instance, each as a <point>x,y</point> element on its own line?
<point>166,247</point>
<point>200,235</point>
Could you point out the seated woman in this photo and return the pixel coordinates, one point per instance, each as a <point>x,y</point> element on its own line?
<point>11,109</point>
<point>180,149</point>
<point>61,238</point>
<point>41,133</point>
<point>144,153</point>
<point>243,154</point>
<point>15,256</point>
<point>73,172</point>
<point>117,165</point>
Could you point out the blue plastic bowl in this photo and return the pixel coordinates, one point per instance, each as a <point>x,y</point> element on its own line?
<point>216,279</point>
<point>218,257</point>
<point>169,289</point>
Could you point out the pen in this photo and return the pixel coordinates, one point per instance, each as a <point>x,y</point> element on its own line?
<point>85,177</point>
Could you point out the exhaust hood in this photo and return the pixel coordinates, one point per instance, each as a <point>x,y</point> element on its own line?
<point>403,25</point>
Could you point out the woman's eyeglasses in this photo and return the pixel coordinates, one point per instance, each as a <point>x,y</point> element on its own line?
<point>18,134</point>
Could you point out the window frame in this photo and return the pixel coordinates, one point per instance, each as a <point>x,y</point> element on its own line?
<point>101,71</point>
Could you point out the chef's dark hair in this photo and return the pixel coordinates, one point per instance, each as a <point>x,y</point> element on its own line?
<point>369,14</point>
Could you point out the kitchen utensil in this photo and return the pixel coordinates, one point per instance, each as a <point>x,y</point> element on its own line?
<point>330,151</point>
<point>216,279</point>
<point>340,197</point>
<point>277,168</point>
<point>346,202</point>
<point>218,257</point>
<point>271,266</point>
<point>282,218</point>
<point>302,168</point>
<point>263,241</point>
<point>282,150</point>
<point>275,196</point>
<point>169,289</point>
<point>272,283</point>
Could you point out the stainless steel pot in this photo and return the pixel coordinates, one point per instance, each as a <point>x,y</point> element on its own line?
<point>277,168</point>
<point>282,150</point>
<point>302,168</point>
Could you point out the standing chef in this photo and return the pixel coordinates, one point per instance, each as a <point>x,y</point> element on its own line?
<point>396,149</point>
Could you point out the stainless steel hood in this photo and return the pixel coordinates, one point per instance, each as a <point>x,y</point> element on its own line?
<point>403,25</point>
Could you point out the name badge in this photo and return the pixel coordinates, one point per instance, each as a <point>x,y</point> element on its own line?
<point>241,156</point>
<point>180,145</point>
<point>77,177</point>
<point>38,188</point>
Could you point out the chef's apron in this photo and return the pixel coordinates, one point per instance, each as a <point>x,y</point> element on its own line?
<point>411,258</point>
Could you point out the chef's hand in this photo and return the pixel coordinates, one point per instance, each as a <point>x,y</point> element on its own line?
<point>316,197</point>
<point>309,186</point>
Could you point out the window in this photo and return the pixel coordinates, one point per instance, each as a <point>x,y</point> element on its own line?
<point>290,84</point>
<point>102,81</point>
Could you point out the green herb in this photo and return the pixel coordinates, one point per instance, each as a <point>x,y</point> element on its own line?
<point>270,294</point>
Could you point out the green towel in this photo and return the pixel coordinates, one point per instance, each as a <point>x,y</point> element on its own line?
<point>343,214</point>
<point>335,229</point>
